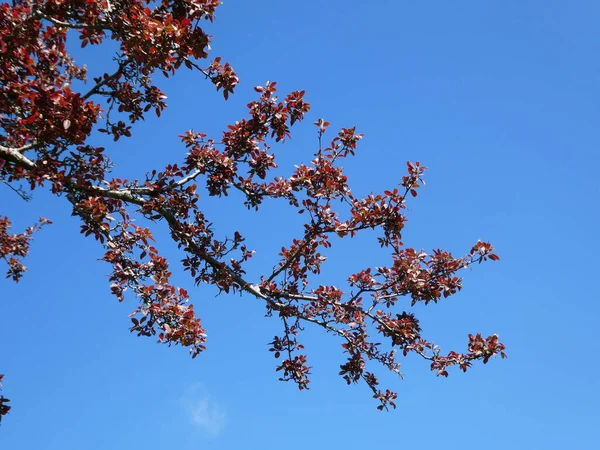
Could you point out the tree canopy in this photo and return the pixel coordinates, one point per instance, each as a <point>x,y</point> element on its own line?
<point>49,111</point>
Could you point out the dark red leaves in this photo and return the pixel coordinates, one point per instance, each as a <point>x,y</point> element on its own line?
<point>478,349</point>
<point>322,125</point>
<point>4,407</point>
<point>14,247</point>
<point>45,127</point>
<point>222,76</point>
<point>482,251</point>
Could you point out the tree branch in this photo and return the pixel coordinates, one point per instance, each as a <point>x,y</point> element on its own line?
<point>15,156</point>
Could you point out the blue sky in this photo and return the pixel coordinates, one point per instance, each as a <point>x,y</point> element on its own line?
<point>499,99</point>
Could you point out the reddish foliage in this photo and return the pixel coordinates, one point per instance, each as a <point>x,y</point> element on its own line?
<point>45,126</point>
<point>13,247</point>
<point>4,407</point>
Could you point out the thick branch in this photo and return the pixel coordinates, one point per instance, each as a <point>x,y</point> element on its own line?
<point>39,15</point>
<point>126,195</point>
<point>13,155</point>
<point>75,26</point>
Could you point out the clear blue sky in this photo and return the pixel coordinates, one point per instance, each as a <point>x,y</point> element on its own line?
<point>499,99</point>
